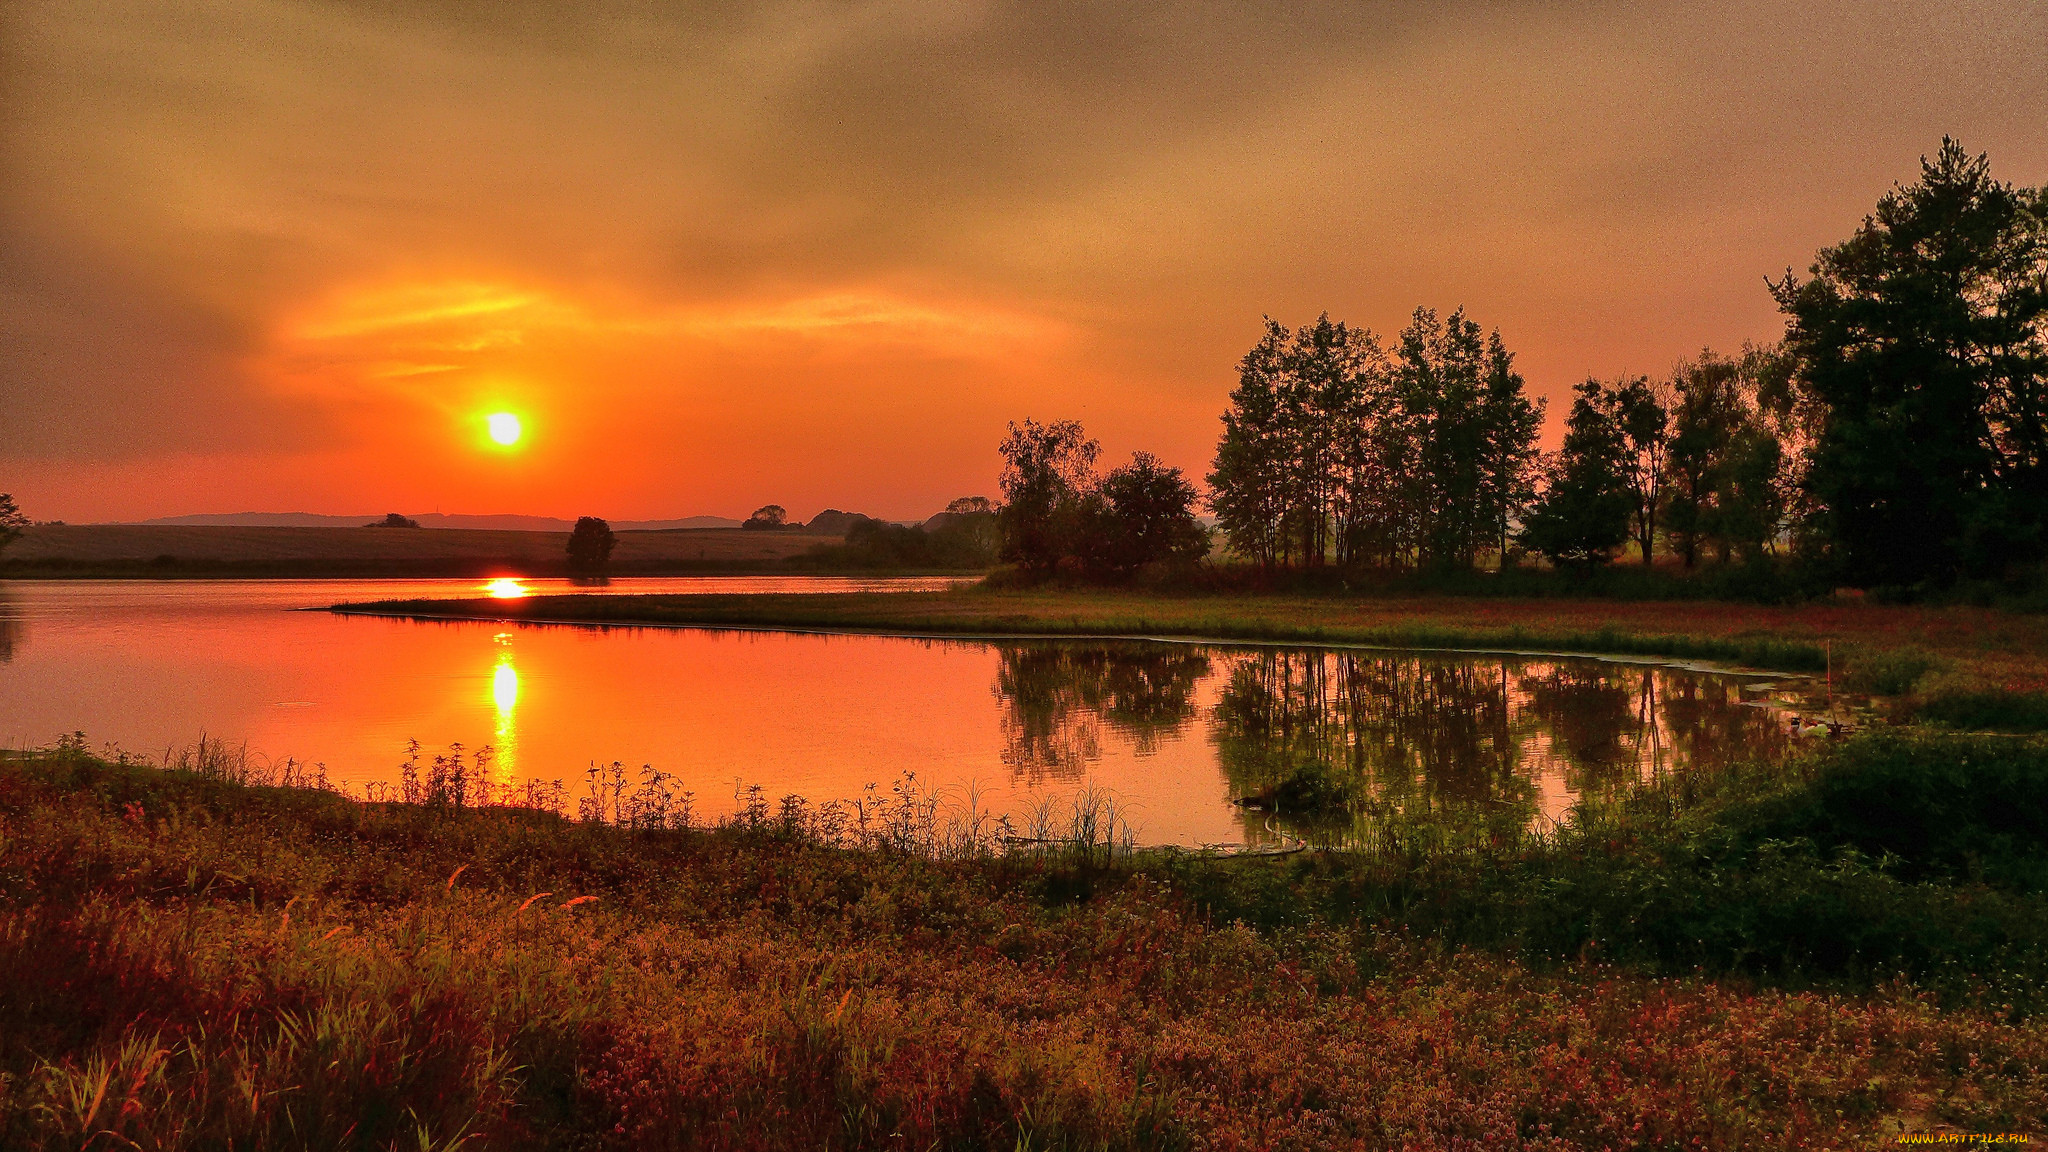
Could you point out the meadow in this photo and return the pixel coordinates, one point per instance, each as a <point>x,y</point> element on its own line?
<point>70,551</point>
<point>1819,956</point>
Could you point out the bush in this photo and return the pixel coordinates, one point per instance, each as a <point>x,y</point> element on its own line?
<point>1892,672</point>
<point>1922,855</point>
<point>1986,711</point>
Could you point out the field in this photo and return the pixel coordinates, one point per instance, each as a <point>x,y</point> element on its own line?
<point>1879,648</point>
<point>173,550</point>
<point>191,959</point>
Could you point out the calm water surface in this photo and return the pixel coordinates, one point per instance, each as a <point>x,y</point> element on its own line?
<point>1176,732</point>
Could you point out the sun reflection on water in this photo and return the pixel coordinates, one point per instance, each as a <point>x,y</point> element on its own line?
<point>505,696</point>
<point>505,588</point>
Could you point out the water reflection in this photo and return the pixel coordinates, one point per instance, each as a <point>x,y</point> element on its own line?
<point>1405,733</point>
<point>13,630</point>
<point>1176,732</point>
<point>505,696</point>
<point>1059,696</point>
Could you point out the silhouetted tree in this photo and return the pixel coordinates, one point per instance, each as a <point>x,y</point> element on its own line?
<point>1729,467</point>
<point>591,543</point>
<point>767,516</point>
<point>969,527</point>
<point>1147,517</point>
<point>1048,477</point>
<point>1922,340</point>
<point>1708,406</point>
<point>1645,421</point>
<point>1330,446</point>
<point>1749,493</point>
<point>1513,424</point>
<point>393,520</point>
<point>1583,514</point>
<point>11,520</point>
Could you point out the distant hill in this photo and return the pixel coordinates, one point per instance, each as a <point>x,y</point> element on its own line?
<point>499,522</point>
<point>835,521</point>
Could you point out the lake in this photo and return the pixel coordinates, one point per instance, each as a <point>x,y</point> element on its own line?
<point>1177,733</point>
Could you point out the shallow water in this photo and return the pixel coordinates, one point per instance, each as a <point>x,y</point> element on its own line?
<point>1175,732</point>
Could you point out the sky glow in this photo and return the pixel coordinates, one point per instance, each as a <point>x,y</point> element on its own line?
<point>279,255</point>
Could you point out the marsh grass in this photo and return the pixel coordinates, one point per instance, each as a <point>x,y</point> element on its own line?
<point>191,958</point>
<point>1193,618</point>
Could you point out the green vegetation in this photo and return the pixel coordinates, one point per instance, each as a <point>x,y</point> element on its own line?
<point>1066,614</point>
<point>1921,346</point>
<point>11,521</point>
<point>1336,450</point>
<point>1985,710</point>
<point>958,541</point>
<point>1059,519</point>
<point>193,959</point>
<point>1894,855</point>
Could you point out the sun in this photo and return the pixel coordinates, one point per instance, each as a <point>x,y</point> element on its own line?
<point>505,428</point>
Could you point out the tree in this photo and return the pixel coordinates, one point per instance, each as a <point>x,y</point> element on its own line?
<point>11,520</point>
<point>1440,373</point>
<point>1512,424</point>
<point>1048,472</point>
<point>1583,514</point>
<point>1749,500</point>
<point>971,525</point>
<point>767,516</point>
<point>591,543</point>
<point>1332,447</point>
<point>1148,517</point>
<point>1249,486</point>
<point>394,520</point>
<point>1291,441</point>
<point>1729,464</point>
<point>1922,342</point>
<point>1644,420</point>
<point>1707,409</point>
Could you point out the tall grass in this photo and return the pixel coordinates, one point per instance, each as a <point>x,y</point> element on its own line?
<point>1187,619</point>
<point>191,960</point>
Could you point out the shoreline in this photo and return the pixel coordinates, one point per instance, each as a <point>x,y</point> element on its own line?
<point>1193,640</point>
<point>1870,649</point>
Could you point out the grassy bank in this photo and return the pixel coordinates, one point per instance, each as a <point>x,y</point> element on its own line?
<point>188,960</point>
<point>1882,648</point>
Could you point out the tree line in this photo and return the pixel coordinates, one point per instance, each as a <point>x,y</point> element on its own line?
<point>1897,434</point>
<point>1059,517</point>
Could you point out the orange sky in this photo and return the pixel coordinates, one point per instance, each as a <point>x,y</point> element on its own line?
<point>285,255</point>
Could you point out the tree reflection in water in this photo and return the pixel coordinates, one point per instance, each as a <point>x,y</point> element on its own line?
<point>1058,697</point>
<point>1499,737</point>
<point>12,629</point>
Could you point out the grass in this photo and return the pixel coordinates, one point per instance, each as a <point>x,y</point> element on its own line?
<point>130,550</point>
<point>1879,647</point>
<point>1985,710</point>
<point>196,957</point>
<point>1898,855</point>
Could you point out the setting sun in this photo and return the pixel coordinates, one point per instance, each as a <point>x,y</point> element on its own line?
<point>505,428</point>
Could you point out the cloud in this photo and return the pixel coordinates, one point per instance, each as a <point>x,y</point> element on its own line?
<point>266,223</point>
